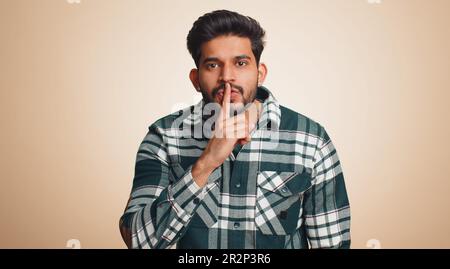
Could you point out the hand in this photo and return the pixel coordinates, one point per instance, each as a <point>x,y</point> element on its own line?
<point>228,133</point>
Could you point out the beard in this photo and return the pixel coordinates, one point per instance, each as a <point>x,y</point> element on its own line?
<point>235,108</point>
<point>211,98</point>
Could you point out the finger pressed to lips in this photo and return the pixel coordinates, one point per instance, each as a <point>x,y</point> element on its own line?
<point>220,93</point>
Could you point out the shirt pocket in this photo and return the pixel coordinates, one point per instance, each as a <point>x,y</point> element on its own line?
<point>279,201</point>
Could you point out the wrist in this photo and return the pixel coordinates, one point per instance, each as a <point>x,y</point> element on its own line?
<point>201,171</point>
<point>204,165</point>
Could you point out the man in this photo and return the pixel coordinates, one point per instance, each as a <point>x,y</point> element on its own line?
<point>253,174</point>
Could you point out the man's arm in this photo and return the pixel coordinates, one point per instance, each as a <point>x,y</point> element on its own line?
<point>160,206</point>
<point>326,205</point>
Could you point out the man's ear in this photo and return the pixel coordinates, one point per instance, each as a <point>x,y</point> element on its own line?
<point>262,73</point>
<point>193,75</point>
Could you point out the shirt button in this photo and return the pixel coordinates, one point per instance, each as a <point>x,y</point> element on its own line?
<point>284,190</point>
<point>236,225</point>
<point>196,201</point>
<point>238,185</point>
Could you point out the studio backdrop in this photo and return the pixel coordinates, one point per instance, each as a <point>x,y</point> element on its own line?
<point>82,80</point>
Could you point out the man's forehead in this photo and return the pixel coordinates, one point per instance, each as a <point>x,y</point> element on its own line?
<point>224,47</point>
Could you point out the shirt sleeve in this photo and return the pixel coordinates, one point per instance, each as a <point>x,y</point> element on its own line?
<point>160,205</point>
<point>326,205</point>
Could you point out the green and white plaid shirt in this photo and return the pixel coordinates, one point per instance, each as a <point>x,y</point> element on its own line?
<point>284,189</point>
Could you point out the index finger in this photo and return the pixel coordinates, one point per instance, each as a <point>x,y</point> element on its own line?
<point>226,101</point>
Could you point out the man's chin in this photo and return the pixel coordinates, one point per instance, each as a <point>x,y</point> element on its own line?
<point>237,107</point>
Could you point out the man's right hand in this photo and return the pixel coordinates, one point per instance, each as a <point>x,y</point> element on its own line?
<point>229,131</point>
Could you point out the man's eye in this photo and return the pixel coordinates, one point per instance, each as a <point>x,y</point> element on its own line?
<point>212,65</point>
<point>242,63</point>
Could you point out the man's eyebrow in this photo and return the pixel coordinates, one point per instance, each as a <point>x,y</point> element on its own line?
<point>215,59</point>
<point>243,56</point>
<point>211,59</point>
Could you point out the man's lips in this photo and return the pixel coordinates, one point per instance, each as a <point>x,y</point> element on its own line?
<point>233,92</point>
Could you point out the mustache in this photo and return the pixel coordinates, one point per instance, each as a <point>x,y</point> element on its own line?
<point>222,87</point>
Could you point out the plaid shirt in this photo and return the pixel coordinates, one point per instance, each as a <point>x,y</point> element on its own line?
<point>284,189</point>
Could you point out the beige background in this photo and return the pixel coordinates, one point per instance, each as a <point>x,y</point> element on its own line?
<point>80,84</point>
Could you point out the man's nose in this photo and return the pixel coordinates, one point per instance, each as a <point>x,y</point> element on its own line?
<point>227,73</point>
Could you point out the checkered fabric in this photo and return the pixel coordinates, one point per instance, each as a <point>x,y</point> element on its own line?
<point>284,189</point>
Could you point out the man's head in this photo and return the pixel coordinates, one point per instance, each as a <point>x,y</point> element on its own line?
<point>226,47</point>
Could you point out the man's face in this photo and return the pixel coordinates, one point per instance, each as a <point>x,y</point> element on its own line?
<point>228,59</point>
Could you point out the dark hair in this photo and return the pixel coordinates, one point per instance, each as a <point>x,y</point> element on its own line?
<point>224,22</point>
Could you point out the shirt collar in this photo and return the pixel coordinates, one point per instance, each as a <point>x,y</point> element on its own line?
<point>271,114</point>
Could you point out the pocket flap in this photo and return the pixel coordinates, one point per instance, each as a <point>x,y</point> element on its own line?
<point>284,183</point>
